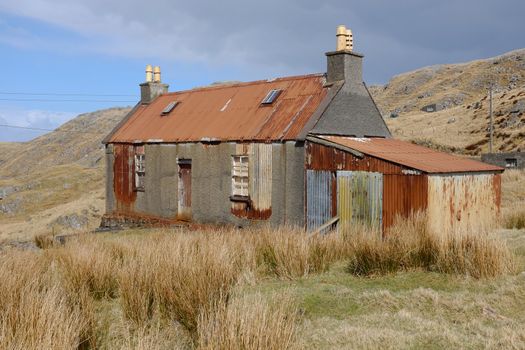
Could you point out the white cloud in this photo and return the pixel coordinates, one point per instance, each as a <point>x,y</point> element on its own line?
<point>277,37</point>
<point>33,118</point>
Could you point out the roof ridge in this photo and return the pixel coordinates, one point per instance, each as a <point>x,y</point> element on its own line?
<point>245,83</point>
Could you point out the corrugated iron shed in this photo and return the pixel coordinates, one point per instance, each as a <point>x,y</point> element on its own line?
<point>411,155</point>
<point>227,113</point>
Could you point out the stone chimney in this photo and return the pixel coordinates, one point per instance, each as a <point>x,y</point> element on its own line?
<point>153,86</point>
<point>344,64</point>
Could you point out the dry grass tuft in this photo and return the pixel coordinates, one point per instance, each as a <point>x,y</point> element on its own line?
<point>514,217</point>
<point>44,241</point>
<point>290,253</point>
<point>36,311</point>
<point>410,245</point>
<point>249,322</point>
<point>194,271</point>
<point>88,264</point>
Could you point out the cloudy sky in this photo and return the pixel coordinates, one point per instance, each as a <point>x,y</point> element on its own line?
<point>83,55</point>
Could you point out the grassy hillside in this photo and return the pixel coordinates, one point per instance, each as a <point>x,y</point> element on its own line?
<point>55,182</point>
<point>459,92</point>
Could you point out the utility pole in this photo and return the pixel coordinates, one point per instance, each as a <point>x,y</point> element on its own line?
<point>491,120</point>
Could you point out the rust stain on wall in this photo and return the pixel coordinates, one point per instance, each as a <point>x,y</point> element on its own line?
<point>461,203</point>
<point>123,176</point>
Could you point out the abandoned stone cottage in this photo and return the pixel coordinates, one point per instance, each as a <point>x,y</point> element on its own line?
<point>298,150</point>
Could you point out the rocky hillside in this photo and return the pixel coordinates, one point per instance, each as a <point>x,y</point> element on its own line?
<point>457,94</point>
<point>55,182</point>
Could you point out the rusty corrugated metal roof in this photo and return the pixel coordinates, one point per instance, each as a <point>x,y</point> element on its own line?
<point>227,113</point>
<point>411,155</point>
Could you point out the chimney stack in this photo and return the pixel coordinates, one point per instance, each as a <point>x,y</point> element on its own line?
<point>156,74</point>
<point>349,40</point>
<point>149,74</point>
<point>344,64</point>
<point>153,86</point>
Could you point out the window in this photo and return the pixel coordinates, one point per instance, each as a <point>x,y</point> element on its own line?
<point>169,108</point>
<point>140,168</point>
<point>271,97</point>
<point>511,163</point>
<point>240,176</point>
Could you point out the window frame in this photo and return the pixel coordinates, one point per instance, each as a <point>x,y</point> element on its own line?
<point>139,168</point>
<point>511,163</point>
<point>240,177</point>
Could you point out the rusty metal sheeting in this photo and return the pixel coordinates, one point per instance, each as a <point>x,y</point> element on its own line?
<point>411,155</point>
<point>259,204</point>
<point>403,195</point>
<point>320,157</point>
<point>318,198</point>
<point>462,203</point>
<point>228,113</point>
<point>360,198</point>
<point>260,170</point>
<point>123,178</point>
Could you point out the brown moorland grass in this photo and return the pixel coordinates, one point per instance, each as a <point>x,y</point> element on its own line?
<point>249,322</point>
<point>410,245</point>
<point>183,285</point>
<point>36,311</point>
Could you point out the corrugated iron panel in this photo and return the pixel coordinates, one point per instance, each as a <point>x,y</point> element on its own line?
<point>260,170</point>
<point>320,157</point>
<point>462,203</point>
<point>123,176</point>
<point>203,114</point>
<point>403,195</point>
<point>411,155</point>
<point>259,204</point>
<point>359,198</point>
<point>318,198</point>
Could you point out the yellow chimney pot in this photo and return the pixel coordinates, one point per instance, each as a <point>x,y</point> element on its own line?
<point>156,74</point>
<point>149,73</point>
<point>341,38</point>
<point>349,40</point>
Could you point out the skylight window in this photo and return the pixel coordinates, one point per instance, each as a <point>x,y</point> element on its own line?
<point>169,107</point>
<point>271,97</point>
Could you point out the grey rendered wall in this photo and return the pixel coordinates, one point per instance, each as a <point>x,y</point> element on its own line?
<point>211,183</point>
<point>499,159</point>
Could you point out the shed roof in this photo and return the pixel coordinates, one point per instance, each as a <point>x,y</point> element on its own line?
<point>227,113</point>
<point>411,155</point>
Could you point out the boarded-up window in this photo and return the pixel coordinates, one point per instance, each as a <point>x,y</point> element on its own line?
<point>240,179</point>
<point>140,168</point>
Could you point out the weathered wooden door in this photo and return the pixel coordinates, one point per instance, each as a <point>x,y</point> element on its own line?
<point>184,192</point>
<point>360,198</point>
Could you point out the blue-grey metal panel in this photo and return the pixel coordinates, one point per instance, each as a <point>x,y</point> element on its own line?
<point>318,198</point>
